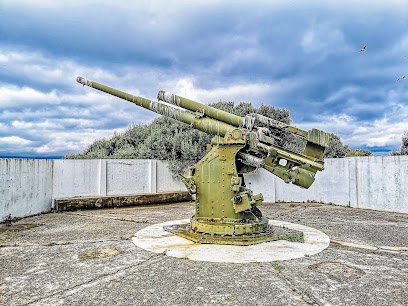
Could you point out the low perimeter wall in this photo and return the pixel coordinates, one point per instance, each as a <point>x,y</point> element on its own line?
<point>29,186</point>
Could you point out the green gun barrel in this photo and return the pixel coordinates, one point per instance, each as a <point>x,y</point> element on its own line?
<point>209,111</point>
<point>203,124</point>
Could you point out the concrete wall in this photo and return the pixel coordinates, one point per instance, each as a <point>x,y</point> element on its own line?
<point>382,183</point>
<point>73,178</point>
<point>374,182</point>
<point>25,187</point>
<point>335,184</point>
<point>28,186</point>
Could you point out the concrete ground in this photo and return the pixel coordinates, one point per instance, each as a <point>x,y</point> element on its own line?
<point>88,258</point>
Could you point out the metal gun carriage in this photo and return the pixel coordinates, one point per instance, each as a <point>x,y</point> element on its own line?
<point>226,210</point>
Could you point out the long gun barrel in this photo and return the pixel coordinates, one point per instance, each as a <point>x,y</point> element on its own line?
<point>204,124</point>
<point>209,111</point>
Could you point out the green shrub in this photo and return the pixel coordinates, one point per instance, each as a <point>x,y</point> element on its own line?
<point>336,148</point>
<point>168,139</point>
<point>353,153</point>
<point>182,146</point>
<point>403,150</point>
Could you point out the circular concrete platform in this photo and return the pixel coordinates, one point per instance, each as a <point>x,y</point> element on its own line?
<point>154,238</point>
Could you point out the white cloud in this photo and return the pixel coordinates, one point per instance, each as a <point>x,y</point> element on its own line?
<point>14,140</point>
<point>185,87</point>
<point>47,124</point>
<point>66,142</point>
<point>22,124</point>
<point>61,121</point>
<point>242,92</point>
<point>384,132</point>
<point>15,96</point>
<point>38,68</point>
<point>342,94</point>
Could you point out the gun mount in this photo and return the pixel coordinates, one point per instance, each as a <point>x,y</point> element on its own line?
<point>226,210</point>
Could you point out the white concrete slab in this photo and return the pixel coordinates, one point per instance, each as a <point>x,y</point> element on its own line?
<point>155,239</point>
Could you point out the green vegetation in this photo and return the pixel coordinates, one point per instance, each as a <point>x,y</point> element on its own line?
<point>336,148</point>
<point>276,265</point>
<point>168,139</point>
<point>403,150</point>
<point>178,143</point>
<point>295,237</point>
<point>353,153</point>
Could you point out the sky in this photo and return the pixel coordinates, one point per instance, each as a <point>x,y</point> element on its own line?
<point>299,55</point>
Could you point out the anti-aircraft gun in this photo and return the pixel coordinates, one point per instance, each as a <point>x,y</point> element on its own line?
<point>226,210</point>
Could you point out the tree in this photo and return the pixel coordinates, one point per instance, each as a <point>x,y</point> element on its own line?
<point>403,150</point>
<point>168,139</point>
<point>336,148</point>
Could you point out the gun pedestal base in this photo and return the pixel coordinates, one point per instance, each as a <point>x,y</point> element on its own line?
<point>228,227</point>
<point>226,211</point>
<point>269,233</point>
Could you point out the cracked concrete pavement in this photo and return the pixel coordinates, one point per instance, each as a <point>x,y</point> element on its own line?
<point>366,263</point>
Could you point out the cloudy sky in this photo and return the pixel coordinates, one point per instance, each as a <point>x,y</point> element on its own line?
<point>293,55</point>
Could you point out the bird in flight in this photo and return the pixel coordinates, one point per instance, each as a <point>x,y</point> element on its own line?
<point>364,48</point>
<point>401,78</point>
